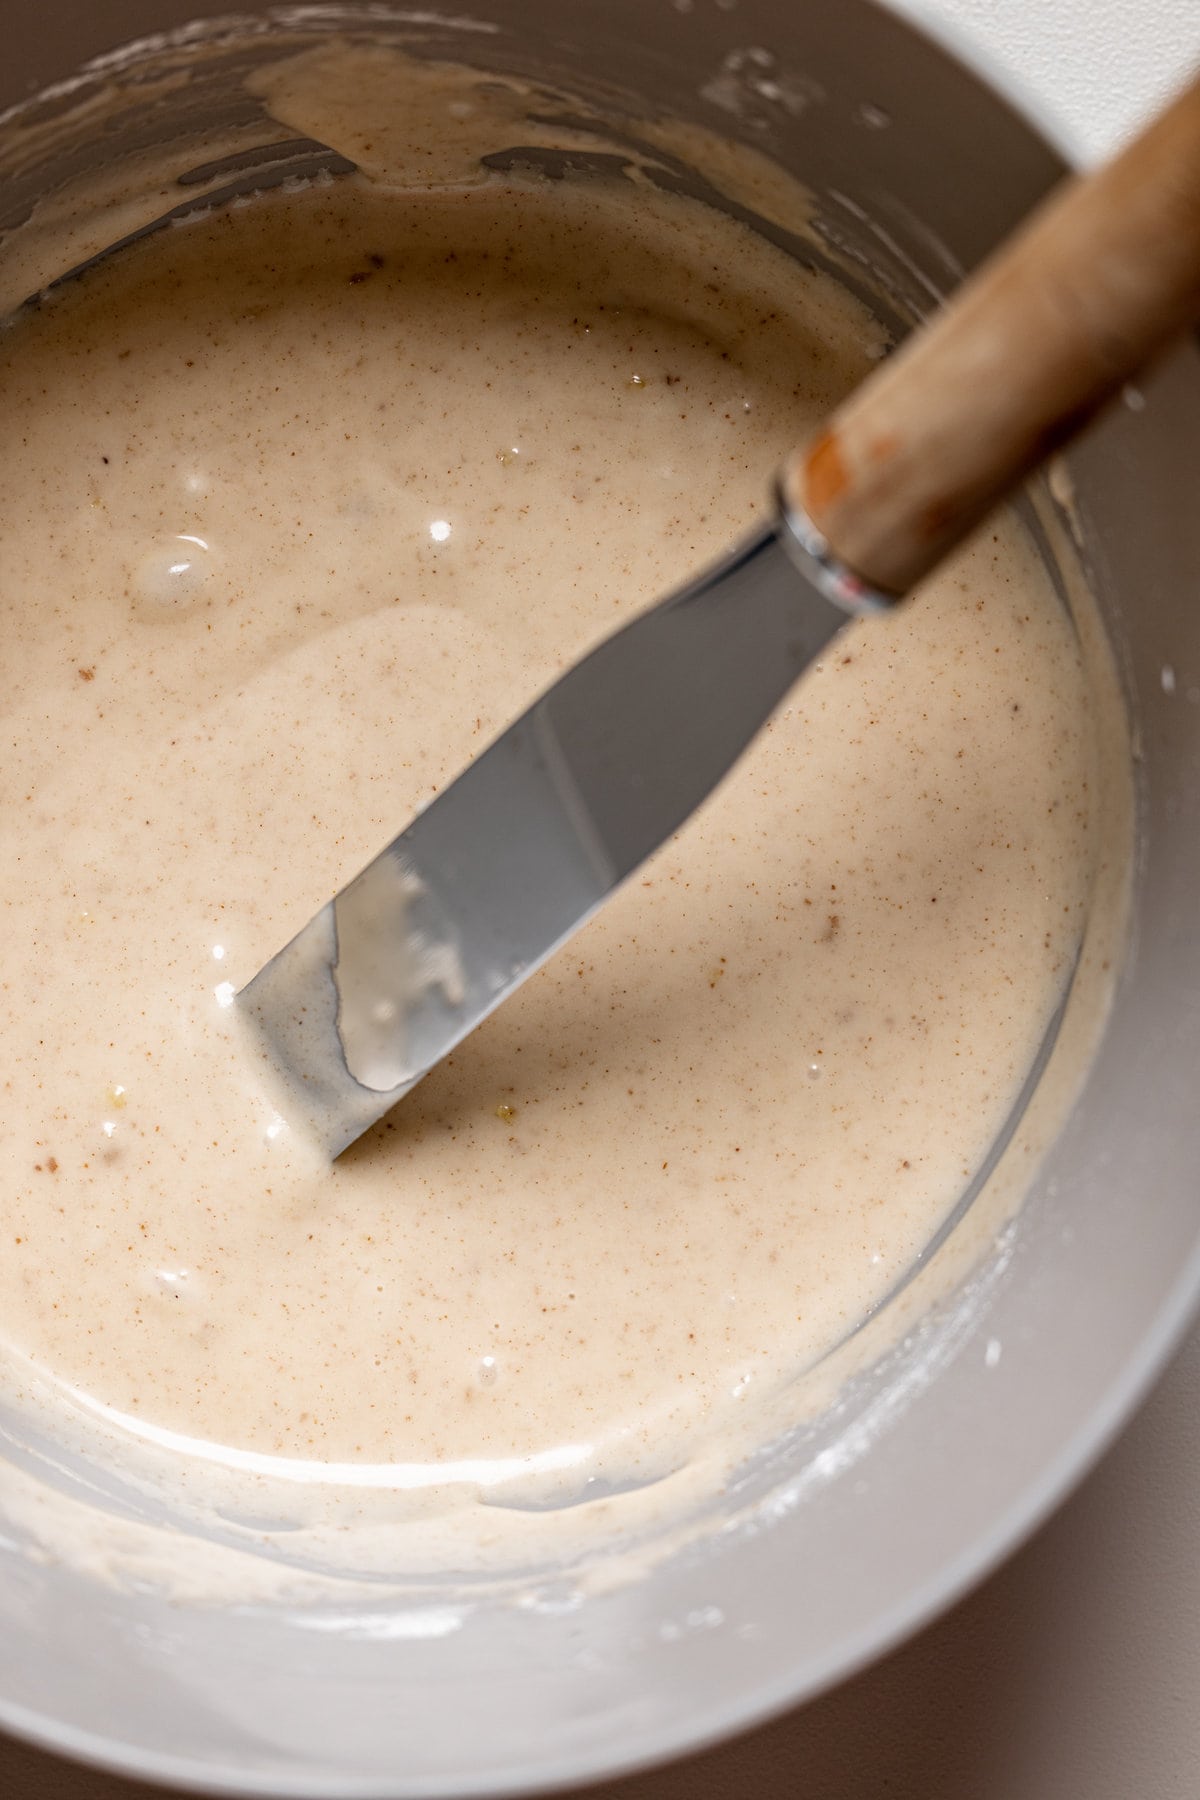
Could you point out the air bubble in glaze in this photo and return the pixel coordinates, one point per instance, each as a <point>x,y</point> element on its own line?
<point>174,576</point>
<point>173,1283</point>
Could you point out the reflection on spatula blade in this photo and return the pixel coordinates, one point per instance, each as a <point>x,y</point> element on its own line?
<point>531,838</point>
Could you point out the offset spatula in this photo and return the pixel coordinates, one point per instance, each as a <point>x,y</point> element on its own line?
<point>530,840</point>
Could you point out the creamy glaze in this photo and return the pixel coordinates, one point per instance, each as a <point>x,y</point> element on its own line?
<point>304,501</point>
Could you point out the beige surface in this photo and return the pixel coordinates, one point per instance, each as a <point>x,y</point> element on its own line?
<point>469,449</point>
<point>1071,1675</point>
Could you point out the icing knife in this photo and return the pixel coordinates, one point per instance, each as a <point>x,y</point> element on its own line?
<point>518,852</point>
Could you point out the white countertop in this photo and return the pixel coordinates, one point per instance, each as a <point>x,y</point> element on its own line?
<point>1073,1673</point>
<point>1099,66</point>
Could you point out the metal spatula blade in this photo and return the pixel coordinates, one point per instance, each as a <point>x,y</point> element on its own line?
<point>532,837</point>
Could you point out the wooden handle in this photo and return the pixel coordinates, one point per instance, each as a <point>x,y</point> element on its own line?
<point>1101,277</point>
